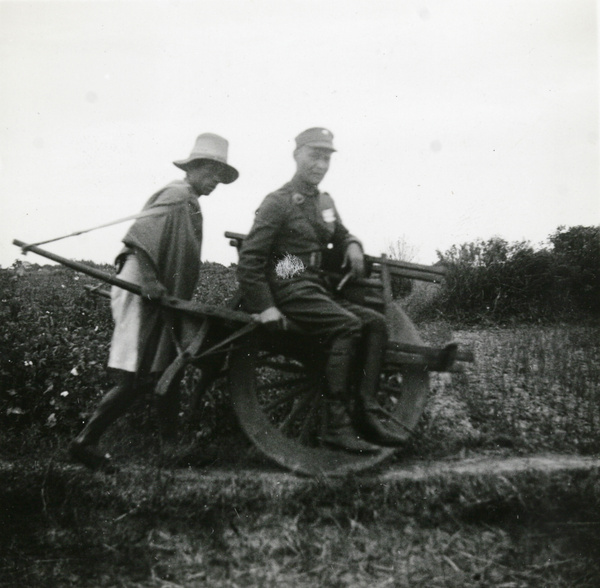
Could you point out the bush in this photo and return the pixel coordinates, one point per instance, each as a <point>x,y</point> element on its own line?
<point>577,254</point>
<point>53,345</point>
<point>494,280</point>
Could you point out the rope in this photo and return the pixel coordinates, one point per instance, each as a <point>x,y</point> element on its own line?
<point>156,211</point>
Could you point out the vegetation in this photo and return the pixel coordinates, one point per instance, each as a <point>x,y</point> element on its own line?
<point>531,317</point>
<point>495,281</point>
<point>155,528</point>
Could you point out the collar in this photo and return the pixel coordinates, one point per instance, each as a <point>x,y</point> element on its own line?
<point>299,185</point>
<point>193,194</point>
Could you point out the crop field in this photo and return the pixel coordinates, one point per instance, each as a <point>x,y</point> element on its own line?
<point>534,390</point>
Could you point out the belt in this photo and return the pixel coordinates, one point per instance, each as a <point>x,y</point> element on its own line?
<point>310,259</point>
<point>294,264</point>
<point>314,259</point>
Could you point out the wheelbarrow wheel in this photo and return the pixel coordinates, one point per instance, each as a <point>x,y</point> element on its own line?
<point>278,399</point>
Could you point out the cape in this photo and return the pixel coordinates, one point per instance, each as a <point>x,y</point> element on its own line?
<point>173,240</point>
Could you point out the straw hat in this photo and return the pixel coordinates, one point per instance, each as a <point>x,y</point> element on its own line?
<point>211,147</point>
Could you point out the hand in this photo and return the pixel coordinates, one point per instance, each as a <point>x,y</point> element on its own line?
<point>354,261</point>
<point>153,290</point>
<point>272,318</point>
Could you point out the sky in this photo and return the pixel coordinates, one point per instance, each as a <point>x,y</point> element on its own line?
<point>453,120</point>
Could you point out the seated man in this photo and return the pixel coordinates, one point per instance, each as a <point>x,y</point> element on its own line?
<point>298,222</point>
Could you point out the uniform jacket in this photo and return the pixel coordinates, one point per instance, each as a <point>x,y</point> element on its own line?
<point>298,220</point>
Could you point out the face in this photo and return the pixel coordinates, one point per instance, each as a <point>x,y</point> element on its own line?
<point>312,163</point>
<point>204,177</point>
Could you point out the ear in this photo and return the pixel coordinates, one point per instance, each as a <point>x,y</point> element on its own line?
<point>297,152</point>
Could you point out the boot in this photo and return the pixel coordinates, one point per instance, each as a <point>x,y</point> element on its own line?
<point>84,448</point>
<point>367,411</point>
<point>91,456</point>
<point>368,421</point>
<point>340,432</point>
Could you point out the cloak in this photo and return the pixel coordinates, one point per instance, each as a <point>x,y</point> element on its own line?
<point>144,336</point>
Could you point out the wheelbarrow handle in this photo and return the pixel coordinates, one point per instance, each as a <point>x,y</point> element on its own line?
<point>190,307</point>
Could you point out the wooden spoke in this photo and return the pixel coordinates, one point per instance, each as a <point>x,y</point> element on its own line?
<point>312,423</point>
<point>282,398</point>
<point>297,409</point>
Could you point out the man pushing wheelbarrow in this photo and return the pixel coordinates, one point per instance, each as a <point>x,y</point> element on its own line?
<point>162,256</point>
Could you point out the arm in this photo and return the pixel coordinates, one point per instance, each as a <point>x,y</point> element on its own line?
<point>151,287</point>
<point>353,260</point>
<point>255,253</point>
<point>253,264</point>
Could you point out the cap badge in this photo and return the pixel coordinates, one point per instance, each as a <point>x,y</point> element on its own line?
<point>298,198</point>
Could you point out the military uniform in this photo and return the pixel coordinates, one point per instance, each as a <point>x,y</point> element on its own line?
<point>298,220</point>
<point>301,224</point>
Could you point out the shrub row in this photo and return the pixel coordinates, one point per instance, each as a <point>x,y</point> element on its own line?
<point>496,281</point>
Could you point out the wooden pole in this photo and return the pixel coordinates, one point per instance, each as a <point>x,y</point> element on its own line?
<point>191,307</point>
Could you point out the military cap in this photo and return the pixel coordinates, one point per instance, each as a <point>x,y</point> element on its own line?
<point>316,137</point>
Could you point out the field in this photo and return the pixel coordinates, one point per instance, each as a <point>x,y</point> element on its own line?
<point>499,487</point>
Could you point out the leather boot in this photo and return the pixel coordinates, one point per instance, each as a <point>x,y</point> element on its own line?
<point>368,414</point>
<point>115,403</point>
<point>369,419</point>
<point>340,432</point>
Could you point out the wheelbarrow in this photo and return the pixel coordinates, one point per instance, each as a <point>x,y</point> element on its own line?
<point>276,379</point>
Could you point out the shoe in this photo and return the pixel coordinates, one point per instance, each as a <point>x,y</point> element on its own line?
<point>91,457</point>
<point>340,432</point>
<point>390,434</point>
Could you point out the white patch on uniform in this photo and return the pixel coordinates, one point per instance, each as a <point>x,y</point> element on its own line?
<point>328,215</point>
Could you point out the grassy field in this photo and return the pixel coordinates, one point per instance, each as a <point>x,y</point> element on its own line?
<point>534,389</point>
<point>154,527</point>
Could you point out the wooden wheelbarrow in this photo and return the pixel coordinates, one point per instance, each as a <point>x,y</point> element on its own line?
<point>276,379</point>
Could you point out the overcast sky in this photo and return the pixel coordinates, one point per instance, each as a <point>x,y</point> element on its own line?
<point>453,119</point>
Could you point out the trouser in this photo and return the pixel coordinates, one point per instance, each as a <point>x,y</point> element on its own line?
<point>352,335</point>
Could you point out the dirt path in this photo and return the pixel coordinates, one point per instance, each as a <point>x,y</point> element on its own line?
<point>473,477</point>
<point>410,471</point>
<point>496,466</point>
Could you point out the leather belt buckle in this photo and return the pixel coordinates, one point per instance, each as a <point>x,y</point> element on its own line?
<point>315,259</point>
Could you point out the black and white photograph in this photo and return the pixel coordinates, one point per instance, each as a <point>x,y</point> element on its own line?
<point>299,293</point>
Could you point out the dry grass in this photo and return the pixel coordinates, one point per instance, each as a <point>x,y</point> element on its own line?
<point>156,528</point>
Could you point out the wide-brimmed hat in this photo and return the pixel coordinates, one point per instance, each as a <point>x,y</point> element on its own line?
<point>211,147</point>
<point>316,137</point>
